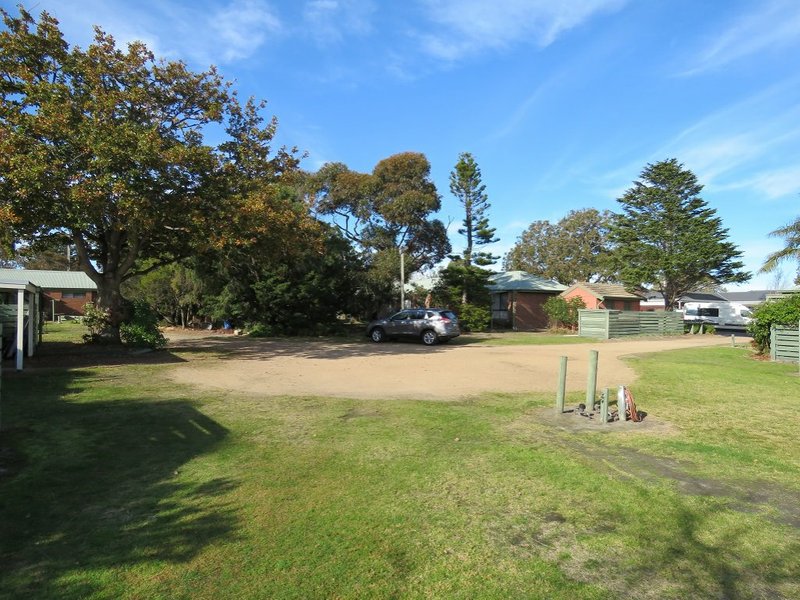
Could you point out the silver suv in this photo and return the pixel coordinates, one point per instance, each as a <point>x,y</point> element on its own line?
<point>431,325</point>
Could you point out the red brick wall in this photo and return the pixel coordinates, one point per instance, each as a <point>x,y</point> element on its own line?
<point>529,314</point>
<point>65,306</point>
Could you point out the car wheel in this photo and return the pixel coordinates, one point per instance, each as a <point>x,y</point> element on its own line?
<point>377,335</point>
<point>429,337</point>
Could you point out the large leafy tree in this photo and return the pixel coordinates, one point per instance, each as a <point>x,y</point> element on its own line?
<point>466,184</point>
<point>791,250</point>
<point>667,237</point>
<point>384,213</point>
<point>105,147</point>
<point>573,249</point>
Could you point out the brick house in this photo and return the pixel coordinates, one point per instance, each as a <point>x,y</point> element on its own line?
<point>606,296</point>
<point>517,299</point>
<point>64,293</point>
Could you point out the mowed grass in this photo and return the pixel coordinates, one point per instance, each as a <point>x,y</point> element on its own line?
<point>120,484</point>
<point>521,338</point>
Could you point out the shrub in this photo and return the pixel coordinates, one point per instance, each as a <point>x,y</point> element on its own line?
<point>142,329</point>
<point>563,312</point>
<point>97,321</point>
<point>474,318</point>
<point>785,311</point>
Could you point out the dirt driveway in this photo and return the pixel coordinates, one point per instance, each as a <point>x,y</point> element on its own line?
<point>406,370</point>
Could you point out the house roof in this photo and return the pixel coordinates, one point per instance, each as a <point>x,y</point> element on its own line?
<point>748,296</point>
<point>520,281</point>
<point>604,290</point>
<point>701,297</point>
<point>49,280</point>
<point>6,285</point>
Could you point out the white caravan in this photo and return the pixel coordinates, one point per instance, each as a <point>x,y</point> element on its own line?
<point>730,315</point>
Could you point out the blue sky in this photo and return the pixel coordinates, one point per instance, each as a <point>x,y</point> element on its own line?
<point>562,103</point>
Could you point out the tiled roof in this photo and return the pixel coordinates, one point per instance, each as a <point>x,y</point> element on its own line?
<point>50,280</point>
<point>520,281</point>
<point>606,290</point>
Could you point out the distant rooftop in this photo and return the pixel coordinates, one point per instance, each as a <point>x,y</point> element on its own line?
<point>607,290</point>
<point>49,280</point>
<point>520,281</point>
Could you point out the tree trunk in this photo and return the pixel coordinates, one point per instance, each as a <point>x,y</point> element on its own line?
<point>109,297</point>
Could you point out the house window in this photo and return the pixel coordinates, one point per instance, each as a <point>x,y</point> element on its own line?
<point>68,295</point>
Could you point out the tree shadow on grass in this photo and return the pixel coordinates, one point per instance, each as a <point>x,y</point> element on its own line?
<point>89,486</point>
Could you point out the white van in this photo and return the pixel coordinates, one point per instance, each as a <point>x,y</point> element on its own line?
<point>726,315</point>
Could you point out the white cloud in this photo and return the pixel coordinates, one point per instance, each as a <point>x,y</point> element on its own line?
<point>238,30</point>
<point>333,20</point>
<point>772,185</point>
<point>466,27</point>
<point>772,26</point>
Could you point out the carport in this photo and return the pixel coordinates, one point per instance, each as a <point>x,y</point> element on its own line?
<point>19,313</point>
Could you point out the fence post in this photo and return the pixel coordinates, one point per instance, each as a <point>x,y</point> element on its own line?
<point>562,384</point>
<point>772,336</point>
<point>591,382</point>
<point>604,406</point>
<point>622,406</point>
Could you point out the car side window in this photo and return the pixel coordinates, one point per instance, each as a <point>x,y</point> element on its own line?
<point>400,316</point>
<point>418,314</point>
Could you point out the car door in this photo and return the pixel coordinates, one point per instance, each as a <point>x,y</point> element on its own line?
<point>399,325</point>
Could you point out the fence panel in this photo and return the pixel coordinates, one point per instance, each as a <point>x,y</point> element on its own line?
<point>616,323</point>
<point>785,343</point>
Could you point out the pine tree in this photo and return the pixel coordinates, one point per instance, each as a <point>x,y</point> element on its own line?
<point>467,186</point>
<point>667,237</point>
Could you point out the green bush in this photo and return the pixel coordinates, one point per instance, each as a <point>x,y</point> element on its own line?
<point>785,311</point>
<point>563,312</point>
<point>474,318</point>
<point>96,321</point>
<point>142,329</point>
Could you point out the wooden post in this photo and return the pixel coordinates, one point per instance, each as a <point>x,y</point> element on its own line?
<point>591,382</point>
<point>562,385</point>
<point>772,342</point>
<point>622,405</point>
<point>20,327</point>
<point>733,340</point>
<point>604,406</point>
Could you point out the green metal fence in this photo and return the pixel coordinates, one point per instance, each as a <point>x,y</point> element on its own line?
<point>607,324</point>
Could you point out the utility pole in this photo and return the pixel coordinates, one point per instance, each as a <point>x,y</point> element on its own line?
<point>402,281</point>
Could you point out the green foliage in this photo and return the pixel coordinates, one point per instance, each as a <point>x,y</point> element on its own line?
<point>563,312</point>
<point>142,329</point>
<point>301,290</point>
<point>668,238</point>
<point>106,147</point>
<point>466,185</point>
<point>791,250</point>
<point>96,321</point>
<point>384,212</point>
<point>474,318</point>
<point>174,291</point>
<point>785,311</point>
<point>458,278</point>
<point>574,249</point>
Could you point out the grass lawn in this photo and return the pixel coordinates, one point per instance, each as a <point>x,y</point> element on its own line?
<point>116,483</point>
<point>520,338</point>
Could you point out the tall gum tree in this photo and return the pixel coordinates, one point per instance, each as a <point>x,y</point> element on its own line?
<point>667,237</point>
<point>106,147</point>
<point>385,212</point>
